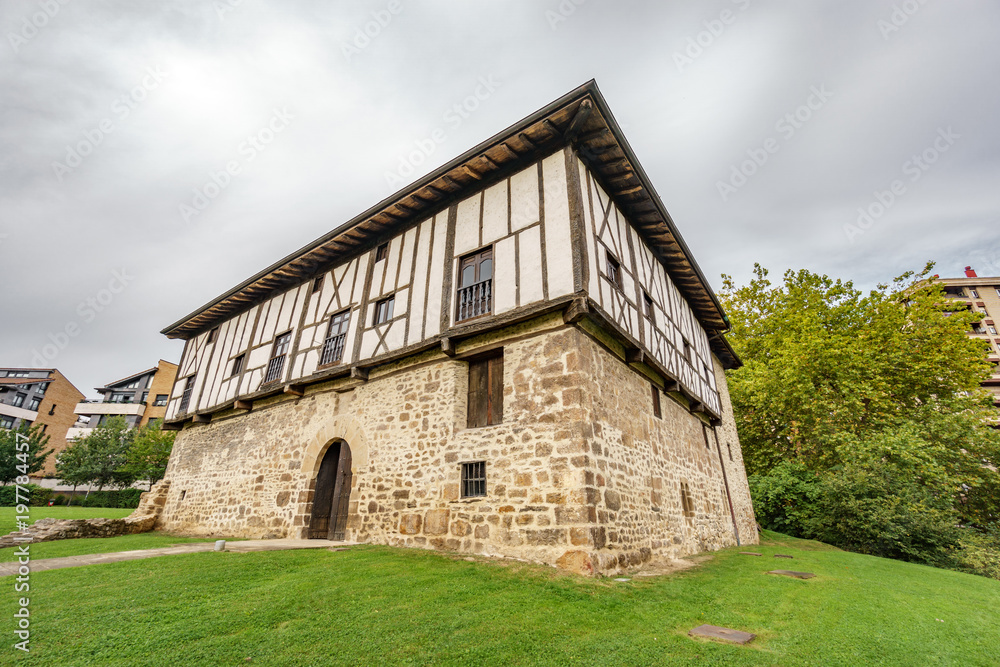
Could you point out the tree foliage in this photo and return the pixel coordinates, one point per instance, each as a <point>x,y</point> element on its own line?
<point>117,456</point>
<point>147,459</point>
<point>861,416</point>
<point>16,459</point>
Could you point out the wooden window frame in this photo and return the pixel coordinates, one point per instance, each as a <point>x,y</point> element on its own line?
<point>185,403</point>
<point>239,361</point>
<point>649,307</point>
<point>383,307</point>
<point>485,392</point>
<point>317,284</point>
<point>475,300</point>
<point>613,267</point>
<point>474,479</point>
<point>657,408</point>
<point>330,339</point>
<point>276,364</point>
<point>382,252</point>
<point>213,335</point>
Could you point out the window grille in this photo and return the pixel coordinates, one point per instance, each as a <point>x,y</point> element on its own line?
<point>474,479</point>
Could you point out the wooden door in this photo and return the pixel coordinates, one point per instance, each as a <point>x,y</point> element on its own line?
<point>326,481</point>
<point>341,494</point>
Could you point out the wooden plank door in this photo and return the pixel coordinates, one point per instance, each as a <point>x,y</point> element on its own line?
<point>341,494</point>
<point>326,479</point>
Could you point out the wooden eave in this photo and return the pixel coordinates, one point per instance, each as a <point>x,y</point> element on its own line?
<point>580,118</point>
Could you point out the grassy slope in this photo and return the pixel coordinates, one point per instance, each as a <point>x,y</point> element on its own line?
<point>391,606</point>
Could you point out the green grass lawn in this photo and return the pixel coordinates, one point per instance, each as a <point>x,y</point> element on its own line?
<point>7,514</point>
<point>100,545</point>
<point>384,606</point>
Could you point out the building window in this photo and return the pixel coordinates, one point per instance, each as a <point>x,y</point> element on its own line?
<point>648,308</point>
<point>277,362</point>
<point>145,396</point>
<point>475,286</point>
<point>119,397</point>
<point>186,396</point>
<point>656,401</point>
<point>336,337</point>
<point>973,293</point>
<point>687,505</point>
<point>34,403</point>
<point>614,271</point>
<point>17,374</point>
<point>474,479</point>
<point>382,252</point>
<point>485,392</point>
<point>993,331</point>
<point>41,388</point>
<point>132,385</point>
<point>6,422</point>
<point>161,400</point>
<point>317,284</point>
<point>383,310</point>
<point>213,334</point>
<point>19,400</point>
<point>238,365</point>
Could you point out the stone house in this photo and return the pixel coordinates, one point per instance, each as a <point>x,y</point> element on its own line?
<point>515,355</point>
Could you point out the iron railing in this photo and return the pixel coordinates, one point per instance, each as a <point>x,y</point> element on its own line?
<point>475,300</point>
<point>274,368</point>
<point>333,349</point>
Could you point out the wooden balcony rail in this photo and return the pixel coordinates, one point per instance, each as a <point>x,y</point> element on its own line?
<point>475,300</point>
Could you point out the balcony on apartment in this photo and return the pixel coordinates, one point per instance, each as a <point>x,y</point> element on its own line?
<point>109,406</point>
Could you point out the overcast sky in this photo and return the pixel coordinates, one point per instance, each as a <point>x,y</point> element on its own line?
<point>764,126</point>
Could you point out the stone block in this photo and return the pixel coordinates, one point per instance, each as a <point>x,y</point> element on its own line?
<point>436,522</point>
<point>578,562</point>
<point>410,524</point>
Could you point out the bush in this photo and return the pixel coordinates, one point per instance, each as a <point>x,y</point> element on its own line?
<point>784,499</point>
<point>59,499</point>
<point>126,498</point>
<point>39,495</point>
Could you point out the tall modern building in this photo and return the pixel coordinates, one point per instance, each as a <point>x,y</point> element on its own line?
<point>982,295</point>
<point>139,398</point>
<point>43,397</point>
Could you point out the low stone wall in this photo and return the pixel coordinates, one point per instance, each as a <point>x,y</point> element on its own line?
<point>48,530</point>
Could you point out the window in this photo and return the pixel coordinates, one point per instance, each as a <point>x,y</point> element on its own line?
<point>317,284</point>
<point>993,331</point>
<point>161,400</point>
<point>145,395</point>
<point>213,334</point>
<point>688,352</point>
<point>382,252</point>
<point>729,446</point>
<point>238,365</point>
<point>648,308</point>
<point>19,399</point>
<point>336,336</point>
<point>186,396</point>
<point>277,362</point>
<point>485,392</point>
<point>614,271</point>
<point>973,293</point>
<point>475,286</point>
<point>687,505</point>
<point>17,374</point>
<point>41,388</point>
<point>474,479</point>
<point>119,397</point>
<point>34,403</point>
<point>656,401</point>
<point>6,422</point>
<point>132,385</point>
<point>704,433</point>
<point>383,310</point>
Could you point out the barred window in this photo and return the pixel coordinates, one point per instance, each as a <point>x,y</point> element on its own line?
<point>336,337</point>
<point>186,396</point>
<point>277,362</point>
<point>474,479</point>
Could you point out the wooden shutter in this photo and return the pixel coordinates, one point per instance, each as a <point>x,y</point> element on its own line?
<point>478,390</point>
<point>495,397</point>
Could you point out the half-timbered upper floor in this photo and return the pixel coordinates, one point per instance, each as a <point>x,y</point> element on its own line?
<point>554,212</point>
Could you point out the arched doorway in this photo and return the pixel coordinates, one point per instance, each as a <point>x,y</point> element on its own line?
<point>333,493</point>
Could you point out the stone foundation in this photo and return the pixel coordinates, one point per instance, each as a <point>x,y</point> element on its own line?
<point>48,530</point>
<point>580,474</point>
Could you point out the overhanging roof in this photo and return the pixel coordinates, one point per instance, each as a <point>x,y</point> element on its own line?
<point>581,118</point>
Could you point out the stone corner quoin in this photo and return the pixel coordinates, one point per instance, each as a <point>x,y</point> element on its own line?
<point>516,358</point>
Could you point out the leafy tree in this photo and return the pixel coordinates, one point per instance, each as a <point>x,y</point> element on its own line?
<point>73,465</point>
<point>104,454</point>
<point>150,452</point>
<point>16,461</point>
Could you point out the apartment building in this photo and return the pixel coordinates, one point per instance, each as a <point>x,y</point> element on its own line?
<point>139,398</point>
<point>42,397</point>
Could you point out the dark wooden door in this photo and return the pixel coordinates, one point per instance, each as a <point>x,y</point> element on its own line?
<point>341,494</point>
<point>326,480</point>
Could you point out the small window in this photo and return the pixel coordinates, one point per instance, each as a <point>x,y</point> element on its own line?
<point>238,365</point>
<point>383,310</point>
<point>317,284</point>
<point>161,400</point>
<point>729,446</point>
<point>6,422</point>
<point>475,286</point>
<point>336,337</point>
<point>183,494</point>
<point>485,406</point>
<point>704,433</point>
<point>186,395</point>
<point>19,400</point>
<point>277,362</point>
<point>382,252</point>
<point>648,308</point>
<point>41,388</point>
<point>474,479</point>
<point>34,403</point>
<point>145,395</point>
<point>687,505</point>
<point>973,293</point>
<point>655,391</point>
<point>993,331</point>
<point>614,271</point>
<point>688,352</point>
<point>135,383</point>
<point>213,334</point>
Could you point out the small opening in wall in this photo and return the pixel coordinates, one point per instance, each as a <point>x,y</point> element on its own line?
<point>382,252</point>
<point>183,493</point>
<point>655,392</point>
<point>474,479</point>
<point>729,446</point>
<point>704,433</point>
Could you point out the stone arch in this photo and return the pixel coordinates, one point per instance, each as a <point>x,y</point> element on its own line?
<point>339,427</point>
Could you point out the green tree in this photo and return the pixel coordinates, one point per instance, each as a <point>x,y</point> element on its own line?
<point>18,458</point>
<point>104,454</point>
<point>73,465</point>
<point>150,452</point>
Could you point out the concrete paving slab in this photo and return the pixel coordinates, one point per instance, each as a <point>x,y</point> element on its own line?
<point>720,634</point>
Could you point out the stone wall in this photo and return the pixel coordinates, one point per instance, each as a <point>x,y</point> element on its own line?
<point>577,474</point>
